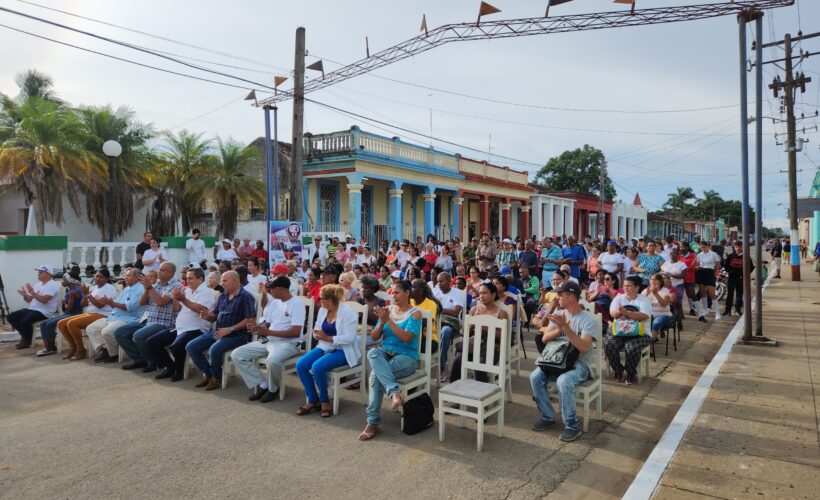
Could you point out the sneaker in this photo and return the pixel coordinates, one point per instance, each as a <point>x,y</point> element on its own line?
<point>631,379</point>
<point>542,425</point>
<point>702,319</point>
<point>717,315</point>
<point>570,435</point>
<point>618,377</point>
<point>102,354</point>
<point>691,312</point>
<point>727,312</point>
<point>45,352</point>
<point>110,359</point>
<point>165,373</point>
<point>149,368</point>
<point>257,394</point>
<point>269,396</point>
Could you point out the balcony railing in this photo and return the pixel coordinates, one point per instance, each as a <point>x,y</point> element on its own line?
<point>98,254</point>
<point>355,141</point>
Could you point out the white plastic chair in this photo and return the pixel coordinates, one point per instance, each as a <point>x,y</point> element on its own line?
<point>486,398</point>
<point>592,389</point>
<point>419,381</point>
<point>435,360</point>
<point>513,352</point>
<point>228,368</point>
<point>290,364</point>
<point>337,374</point>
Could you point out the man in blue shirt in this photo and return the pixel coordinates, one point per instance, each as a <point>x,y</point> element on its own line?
<point>124,309</point>
<point>575,256</point>
<point>234,311</point>
<point>551,258</point>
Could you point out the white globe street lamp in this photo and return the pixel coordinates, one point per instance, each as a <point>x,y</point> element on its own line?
<point>111,149</point>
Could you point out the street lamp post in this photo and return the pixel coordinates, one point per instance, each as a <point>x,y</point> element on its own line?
<point>112,149</point>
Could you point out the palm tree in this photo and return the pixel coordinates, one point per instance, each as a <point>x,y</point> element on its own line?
<point>679,201</point>
<point>32,83</point>
<point>184,159</point>
<point>230,182</point>
<point>46,160</point>
<point>132,170</point>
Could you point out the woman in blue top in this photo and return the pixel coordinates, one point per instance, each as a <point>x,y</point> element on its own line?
<point>400,328</point>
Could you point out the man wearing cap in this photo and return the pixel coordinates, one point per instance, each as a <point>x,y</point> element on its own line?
<point>315,251</point>
<point>486,252</point>
<point>551,258</point>
<point>280,334</point>
<point>226,253</point>
<point>196,249</point>
<point>234,311</point>
<point>42,299</point>
<point>611,260</point>
<point>577,326</point>
<point>282,269</point>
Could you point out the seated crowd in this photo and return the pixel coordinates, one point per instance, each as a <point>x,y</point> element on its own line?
<point>157,317</point>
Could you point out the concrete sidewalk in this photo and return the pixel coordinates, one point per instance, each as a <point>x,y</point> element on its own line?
<point>757,433</point>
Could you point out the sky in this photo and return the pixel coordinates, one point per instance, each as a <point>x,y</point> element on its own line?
<point>658,78</point>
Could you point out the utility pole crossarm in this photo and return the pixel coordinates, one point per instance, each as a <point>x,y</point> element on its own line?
<point>461,32</point>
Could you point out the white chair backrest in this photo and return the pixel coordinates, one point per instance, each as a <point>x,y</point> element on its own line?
<point>309,304</point>
<point>508,308</point>
<point>463,306</point>
<point>361,311</point>
<point>597,355</point>
<point>59,308</point>
<point>383,295</point>
<point>425,358</point>
<point>471,351</point>
<point>259,309</point>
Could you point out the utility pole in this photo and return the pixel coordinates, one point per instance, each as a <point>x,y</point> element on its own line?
<point>296,193</point>
<point>601,229</point>
<point>789,86</point>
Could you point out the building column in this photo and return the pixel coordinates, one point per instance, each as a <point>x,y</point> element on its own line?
<point>396,216</point>
<point>537,217</point>
<point>505,219</point>
<point>524,222</point>
<point>484,215</point>
<point>429,214</point>
<point>457,220</point>
<point>305,204</point>
<point>354,207</point>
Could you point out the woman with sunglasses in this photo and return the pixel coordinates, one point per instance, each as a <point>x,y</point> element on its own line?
<point>399,328</point>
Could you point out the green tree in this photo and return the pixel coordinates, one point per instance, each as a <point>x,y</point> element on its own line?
<point>133,170</point>
<point>46,160</point>
<point>229,182</point>
<point>578,171</point>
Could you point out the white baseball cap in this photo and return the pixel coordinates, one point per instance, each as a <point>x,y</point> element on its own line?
<point>46,269</point>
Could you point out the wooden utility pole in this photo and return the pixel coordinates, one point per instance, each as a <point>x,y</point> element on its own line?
<point>601,229</point>
<point>296,193</point>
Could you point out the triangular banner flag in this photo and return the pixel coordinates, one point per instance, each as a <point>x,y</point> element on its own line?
<point>279,80</point>
<point>424,24</point>
<point>317,66</point>
<point>629,2</point>
<point>251,97</point>
<point>485,9</point>
<point>554,2</point>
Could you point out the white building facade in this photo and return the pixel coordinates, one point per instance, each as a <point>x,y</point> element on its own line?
<point>551,215</point>
<point>629,220</point>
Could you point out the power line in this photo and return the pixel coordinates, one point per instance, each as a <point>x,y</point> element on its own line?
<point>535,106</point>
<point>158,37</point>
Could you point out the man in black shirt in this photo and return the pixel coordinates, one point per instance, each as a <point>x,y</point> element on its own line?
<point>734,267</point>
<point>777,255</point>
<point>142,247</point>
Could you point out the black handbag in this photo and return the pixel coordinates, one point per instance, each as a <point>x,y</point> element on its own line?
<point>417,414</point>
<point>559,356</point>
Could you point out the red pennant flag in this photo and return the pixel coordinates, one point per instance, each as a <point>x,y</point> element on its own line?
<point>317,66</point>
<point>554,2</point>
<point>628,2</point>
<point>485,9</point>
<point>277,81</point>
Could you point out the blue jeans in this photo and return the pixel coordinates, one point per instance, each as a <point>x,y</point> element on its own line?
<point>125,338</point>
<point>383,379</point>
<point>445,338</point>
<point>216,351</point>
<point>48,328</point>
<point>140,339</point>
<point>566,383</point>
<point>312,369</point>
<point>660,323</point>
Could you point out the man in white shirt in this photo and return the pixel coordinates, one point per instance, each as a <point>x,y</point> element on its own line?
<point>667,248</point>
<point>315,251</point>
<point>676,269</point>
<point>402,256</point>
<point>706,278</point>
<point>280,334</point>
<point>255,277</point>
<point>43,298</point>
<point>452,302</point>
<point>226,253</point>
<point>196,249</point>
<point>188,304</point>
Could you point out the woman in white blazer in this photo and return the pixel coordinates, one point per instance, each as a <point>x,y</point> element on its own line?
<point>336,332</point>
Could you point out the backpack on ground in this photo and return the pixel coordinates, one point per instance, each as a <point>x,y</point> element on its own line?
<point>417,414</point>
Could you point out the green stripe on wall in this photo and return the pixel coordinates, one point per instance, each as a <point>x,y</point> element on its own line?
<point>9,243</point>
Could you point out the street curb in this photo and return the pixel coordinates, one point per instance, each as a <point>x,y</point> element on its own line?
<point>645,483</point>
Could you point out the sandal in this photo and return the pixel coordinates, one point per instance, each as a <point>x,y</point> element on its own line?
<point>307,408</point>
<point>397,404</point>
<point>326,410</point>
<point>367,436</point>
